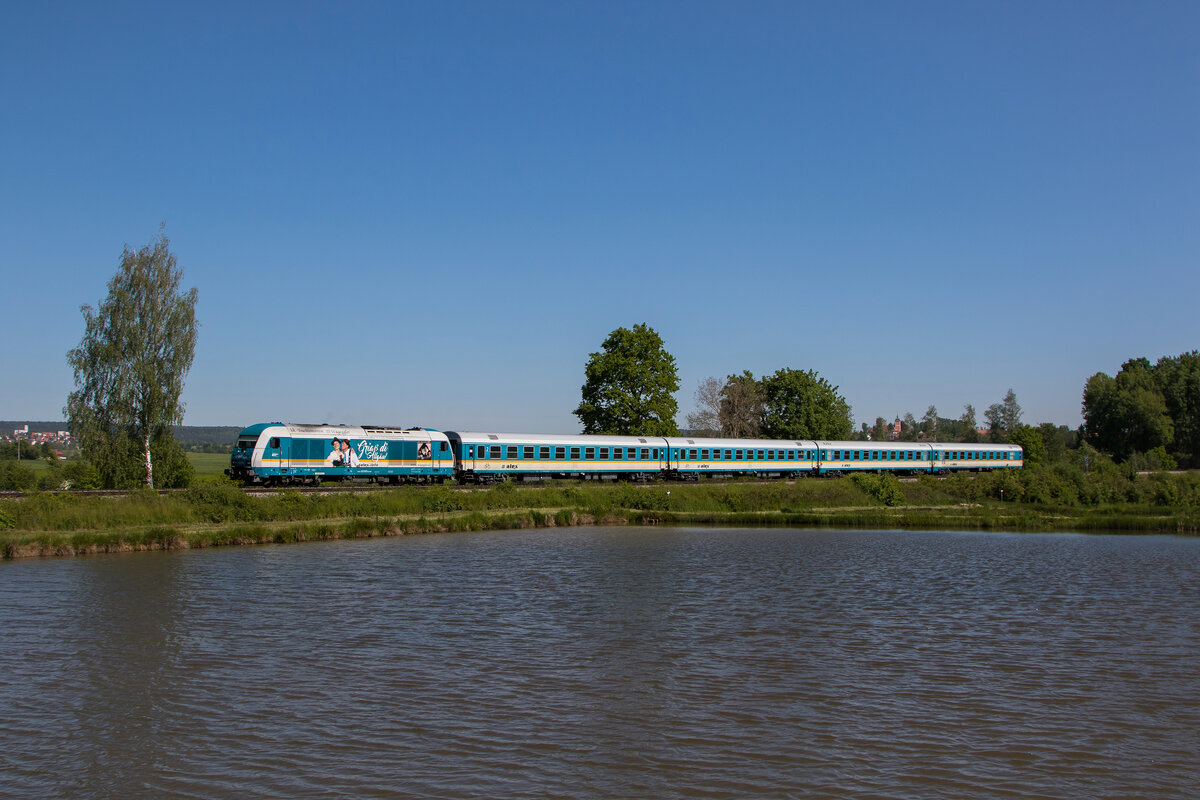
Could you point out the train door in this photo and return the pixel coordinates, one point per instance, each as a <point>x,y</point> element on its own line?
<point>281,447</point>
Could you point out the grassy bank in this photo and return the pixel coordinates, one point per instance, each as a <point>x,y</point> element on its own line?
<point>217,514</point>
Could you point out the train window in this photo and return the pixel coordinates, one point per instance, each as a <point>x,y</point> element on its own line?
<point>655,454</point>
<point>791,455</point>
<point>527,451</point>
<point>728,455</point>
<point>604,454</point>
<point>543,452</point>
<point>737,454</point>
<point>716,454</point>
<point>645,453</point>
<point>589,453</point>
<point>575,453</point>
<point>618,453</point>
<point>560,452</point>
<point>496,452</point>
<point>704,455</point>
<point>512,451</point>
<point>445,446</point>
<point>693,456</point>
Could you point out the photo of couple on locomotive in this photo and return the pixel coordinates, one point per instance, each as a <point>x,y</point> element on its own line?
<point>342,455</point>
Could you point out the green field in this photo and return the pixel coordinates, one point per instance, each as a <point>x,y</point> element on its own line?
<point>209,463</point>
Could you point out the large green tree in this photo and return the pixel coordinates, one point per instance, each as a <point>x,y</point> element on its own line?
<point>1178,378</point>
<point>631,385</point>
<point>799,404</point>
<point>1126,414</point>
<point>1031,441</point>
<point>130,366</point>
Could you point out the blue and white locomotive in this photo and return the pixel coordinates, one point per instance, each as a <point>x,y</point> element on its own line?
<point>274,453</point>
<point>277,453</point>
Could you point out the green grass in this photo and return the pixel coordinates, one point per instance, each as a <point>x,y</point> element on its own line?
<point>214,512</point>
<point>209,463</point>
<point>35,464</point>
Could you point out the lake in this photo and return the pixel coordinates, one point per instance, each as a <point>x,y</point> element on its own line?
<point>609,662</point>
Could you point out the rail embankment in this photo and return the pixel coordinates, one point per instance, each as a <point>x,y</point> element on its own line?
<point>218,514</point>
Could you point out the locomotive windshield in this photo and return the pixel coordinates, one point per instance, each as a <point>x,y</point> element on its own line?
<point>246,442</point>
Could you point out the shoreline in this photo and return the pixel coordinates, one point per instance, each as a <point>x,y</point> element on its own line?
<point>17,544</point>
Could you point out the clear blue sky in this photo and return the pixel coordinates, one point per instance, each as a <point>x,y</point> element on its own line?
<point>431,213</point>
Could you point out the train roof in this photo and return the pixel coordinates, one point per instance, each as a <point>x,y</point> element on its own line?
<point>587,439</point>
<point>325,429</point>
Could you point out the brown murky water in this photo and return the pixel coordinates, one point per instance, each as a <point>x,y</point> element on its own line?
<point>624,663</point>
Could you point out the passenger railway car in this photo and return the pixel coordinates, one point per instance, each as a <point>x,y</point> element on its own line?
<point>277,453</point>
<point>491,457</point>
<point>916,457</point>
<point>688,459</point>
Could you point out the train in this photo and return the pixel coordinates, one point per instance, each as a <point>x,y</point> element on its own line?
<point>277,453</point>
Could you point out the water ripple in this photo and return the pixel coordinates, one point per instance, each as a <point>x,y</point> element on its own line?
<point>609,662</point>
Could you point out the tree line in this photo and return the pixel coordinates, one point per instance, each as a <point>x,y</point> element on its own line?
<point>138,346</point>
<point>632,380</point>
<point>1147,416</point>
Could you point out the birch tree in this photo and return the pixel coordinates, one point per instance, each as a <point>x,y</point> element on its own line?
<point>130,366</point>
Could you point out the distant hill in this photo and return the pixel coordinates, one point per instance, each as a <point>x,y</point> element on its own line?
<point>188,436</point>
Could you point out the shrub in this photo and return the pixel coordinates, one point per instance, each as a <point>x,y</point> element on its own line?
<point>440,499</point>
<point>15,477</point>
<point>219,502</point>
<point>884,487</point>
